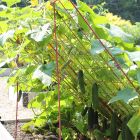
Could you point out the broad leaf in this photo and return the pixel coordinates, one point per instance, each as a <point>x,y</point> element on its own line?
<point>134,56</point>
<point>116,51</point>
<point>100,20</point>
<point>85,8</point>
<point>44,73</point>
<point>67,4</point>
<point>5,36</point>
<point>48,68</point>
<point>96,47</point>
<point>82,23</point>
<point>116,31</point>
<point>134,124</point>
<point>138,75</point>
<point>41,33</point>
<point>44,78</point>
<point>11,2</point>
<point>5,63</point>
<point>126,95</point>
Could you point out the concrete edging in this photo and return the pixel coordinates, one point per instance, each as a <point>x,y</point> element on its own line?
<point>4,134</point>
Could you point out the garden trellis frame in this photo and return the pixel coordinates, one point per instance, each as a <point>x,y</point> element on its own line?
<point>99,62</point>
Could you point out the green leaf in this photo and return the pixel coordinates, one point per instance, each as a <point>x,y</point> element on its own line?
<point>138,75</point>
<point>5,36</point>
<point>96,47</point>
<point>67,4</point>
<point>134,124</point>
<point>134,56</point>
<point>44,78</point>
<point>30,69</point>
<point>85,8</point>
<point>102,34</point>
<point>100,20</point>
<point>127,95</point>
<point>40,97</point>
<point>44,72</point>
<point>82,23</point>
<point>116,51</point>
<point>11,2</point>
<point>5,63</point>
<point>116,31</point>
<point>41,33</point>
<point>48,68</point>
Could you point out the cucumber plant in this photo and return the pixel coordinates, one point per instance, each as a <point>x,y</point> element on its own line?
<point>89,87</point>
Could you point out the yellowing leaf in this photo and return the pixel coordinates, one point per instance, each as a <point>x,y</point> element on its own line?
<point>34,2</point>
<point>49,47</point>
<point>48,6</point>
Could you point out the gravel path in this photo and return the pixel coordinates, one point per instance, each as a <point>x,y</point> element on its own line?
<point>26,136</point>
<point>20,135</point>
<point>8,107</point>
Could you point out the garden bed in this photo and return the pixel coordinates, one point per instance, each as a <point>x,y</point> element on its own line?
<point>10,126</point>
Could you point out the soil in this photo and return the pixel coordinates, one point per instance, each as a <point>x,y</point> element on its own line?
<point>26,136</point>
<point>20,134</point>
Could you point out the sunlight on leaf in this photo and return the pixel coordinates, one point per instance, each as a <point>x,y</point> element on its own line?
<point>34,2</point>
<point>5,36</point>
<point>11,2</point>
<point>44,73</point>
<point>116,31</point>
<point>134,56</point>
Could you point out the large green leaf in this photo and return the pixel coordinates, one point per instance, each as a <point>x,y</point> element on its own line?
<point>44,73</point>
<point>138,75</point>
<point>41,33</point>
<point>44,78</point>
<point>67,4</point>
<point>11,2</point>
<point>96,47</point>
<point>85,8</point>
<point>134,56</point>
<point>82,23</point>
<point>116,31</point>
<point>48,68</point>
<point>5,63</point>
<point>5,36</point>
<point>134,124</point>
<point>126,95</point>
<point>100,20</point>
<point>116,51</point>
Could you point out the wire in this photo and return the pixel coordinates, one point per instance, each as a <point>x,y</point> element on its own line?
<point>17,85</point>
<point>57,70</point>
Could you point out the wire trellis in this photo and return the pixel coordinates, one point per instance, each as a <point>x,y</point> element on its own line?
<point>92,71</point>
<point>100,57</point>
<point>95,67</point>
